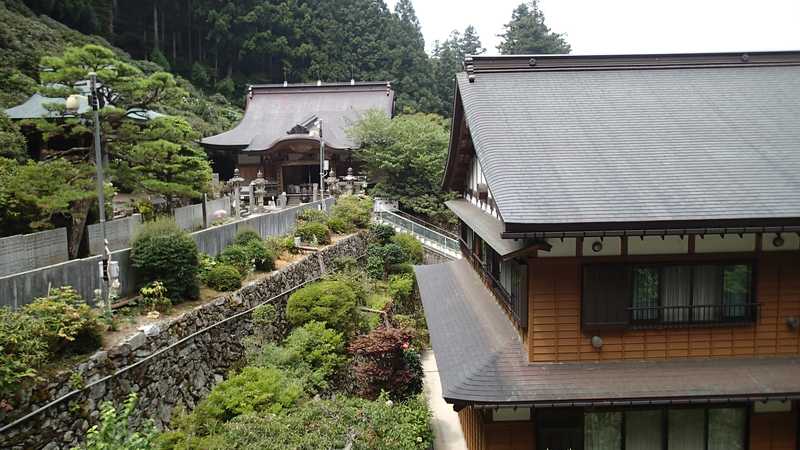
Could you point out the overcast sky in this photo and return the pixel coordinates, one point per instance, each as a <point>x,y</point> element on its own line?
<point>630,26</point>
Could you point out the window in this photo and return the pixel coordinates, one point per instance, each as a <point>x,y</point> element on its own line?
<point>643,429</point>
<point>667,294</point>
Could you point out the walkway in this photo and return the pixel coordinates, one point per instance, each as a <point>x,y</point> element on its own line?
<point>431,237</point>
<point>446,426</point>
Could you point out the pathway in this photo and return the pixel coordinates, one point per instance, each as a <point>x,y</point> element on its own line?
<point>446,426</point>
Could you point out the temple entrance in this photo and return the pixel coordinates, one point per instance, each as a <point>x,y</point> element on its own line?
<point>298,181</point>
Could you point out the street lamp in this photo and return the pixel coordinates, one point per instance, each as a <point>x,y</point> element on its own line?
<point>321,166</point>
<point>72,105</point>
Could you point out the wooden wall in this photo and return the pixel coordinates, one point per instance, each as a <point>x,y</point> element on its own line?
<point>554,324</point>
<point>481,433</point>
<point>774,431</point>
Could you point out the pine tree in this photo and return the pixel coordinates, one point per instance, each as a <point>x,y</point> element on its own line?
<point>527,33</point>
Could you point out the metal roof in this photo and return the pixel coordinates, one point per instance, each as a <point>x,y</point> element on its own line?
<point>274,110</point>
<point>488,227</point>
<point>481,360</point>
<point>35,108</point>
<point>644,138</point>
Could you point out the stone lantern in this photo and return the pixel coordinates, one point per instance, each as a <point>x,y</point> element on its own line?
<point>349,182</point>
<point>235,183</point>
<point>260,189</point>
<point>332,182</point>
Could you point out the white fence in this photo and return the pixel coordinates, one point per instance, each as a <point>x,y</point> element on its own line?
<point>21,288</point>
<point>29,251</point>
<point>191,217</point>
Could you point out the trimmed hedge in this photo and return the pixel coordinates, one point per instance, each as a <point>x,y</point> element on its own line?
<point>223,277</point>
<point>163,252</point>
<point>411,246</point>
<point>314,231</point>
<point>331,302</point>
<point>245,236</point>
<point>239,257</point>
<point>262,256</point>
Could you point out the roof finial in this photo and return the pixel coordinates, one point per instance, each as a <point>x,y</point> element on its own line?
<point>319,82</point>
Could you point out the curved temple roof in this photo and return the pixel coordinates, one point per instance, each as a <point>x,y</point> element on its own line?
<point>276,113</point>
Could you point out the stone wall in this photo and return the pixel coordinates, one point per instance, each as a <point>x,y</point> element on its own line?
<point>175,363</point>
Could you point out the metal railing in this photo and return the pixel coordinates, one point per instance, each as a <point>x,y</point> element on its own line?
<point>429,238</point>
<point>693,315</point>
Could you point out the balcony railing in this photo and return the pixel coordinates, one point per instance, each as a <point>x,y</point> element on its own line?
<point>693,315</point>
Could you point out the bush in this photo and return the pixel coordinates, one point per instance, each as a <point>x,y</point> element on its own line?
<point>280,244</point>
<point>69,324</point>
<point>394,254</point>
<point>398,269</point>
<point>311,353</point>
<point>402,426</point>
<point>115,431</point>
<point>309,215</point>
<point>339,226</point>
<point>380,234</point>
<point>163,252</point>
<point>22,350</point>
<point>154,297</point>
<point>245,236</point>
<point>345,264</point>
<point>381,257</point>
<point>265,324</point>
<point>224,277</point>
<point>206,263</point>
<point>375,267</point>
<point>411,246</point>
<point>353,210</point>
<point>401,289</point>
<point>239,257</point>
<point>263,258</point>
<point>255,390</point>
<point>314,232</point>
<point>384,361</point>
<point>331,302</point>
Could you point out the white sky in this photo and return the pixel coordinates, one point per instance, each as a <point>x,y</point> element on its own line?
<point>629,26</point>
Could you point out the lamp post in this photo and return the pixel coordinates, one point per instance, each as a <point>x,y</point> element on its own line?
<point>321,166</point>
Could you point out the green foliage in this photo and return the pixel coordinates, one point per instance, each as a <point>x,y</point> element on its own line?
<point>154,297</point>
<point>280,244</point>
<point>353,210</point>
<point>331,302</point>
<point>313,233</point>
<point>22,350</point>
<point>401,289</point>
<point>448,59</point>
<point>405,158</point>
<point>199,74</point>
<point>345,264</point>
<point>205,264</point>
<point>527,34</point>
<point>411,246</point>
<point>339,226</point>
<point>380,234</point>
<point>262,256</point>
<point>163,252</point>
<point>246,235</point>
<point>312,353</point>
<point>384,361</point>
<point>223,277</point>
<point>12,142</point>
<point>116,432</point>
<point>239,257</point>
<point>254,390</point>
<point>402,268</point>
<point>376,267</point>
<point>69,324</point>
<point>158,57</point>
<point>312,215</point>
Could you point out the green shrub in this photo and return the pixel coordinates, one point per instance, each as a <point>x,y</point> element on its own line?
<point>239,257</point>
<point>314,232</point>
<point>412,247</point>
<point>356,281</point>
<point>403,426</point>
<point>380,234</point>
<point>224,277</point>
<point>263,258</point>
<point>375,267</point>
<point>245,236</point>
<point>206,263</point>
<point>22,350</point>
<point>255,390</point>
<point>339,226</point>
<point>265,325</point>
<point>332,302</point>
<point>394,254</point>
<point>116,432</point>
<point>280,244</point>
<point>69,324</point>
<point>163,252</point>
<point>353,209</point>
<point>345,264</point>
<point>401,289</point>
<point>311,353</point>
<point>380,257</point>
<point>403,268</point>
<point>312,215</point>
<point>154,297</point>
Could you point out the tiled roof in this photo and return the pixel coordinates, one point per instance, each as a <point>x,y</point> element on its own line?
<point>638,144</point>
<point>488,227</point>
<point>273,110</point>
<point>481,359</point>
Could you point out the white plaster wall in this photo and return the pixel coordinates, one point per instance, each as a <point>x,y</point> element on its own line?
<point>612,246</point>
<point>566,248</point>
<point>714,243</point>
<point>791,241</point>
<point>656,245</point>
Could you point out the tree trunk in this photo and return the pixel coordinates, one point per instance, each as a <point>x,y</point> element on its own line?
<point>155,24</point>
<point>76,226</point>
<point>174,48</point>
<point>189,29</point>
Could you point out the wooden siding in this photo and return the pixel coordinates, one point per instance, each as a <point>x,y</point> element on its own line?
<point>480,433</point>
<point>472,426</point>
<point>774,431</point>
<point>554,319</point>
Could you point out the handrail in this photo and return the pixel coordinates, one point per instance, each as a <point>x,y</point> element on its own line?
<point>425,223</point>
<point>428,237</point>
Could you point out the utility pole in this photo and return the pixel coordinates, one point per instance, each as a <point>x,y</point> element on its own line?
<point>321,167</point>
<point>98,164</point>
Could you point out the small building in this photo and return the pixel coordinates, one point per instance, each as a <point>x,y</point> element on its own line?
<point>631,234</point>
<point>279,134</point>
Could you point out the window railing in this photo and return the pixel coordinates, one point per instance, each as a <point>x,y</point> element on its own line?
<point>693,315</point>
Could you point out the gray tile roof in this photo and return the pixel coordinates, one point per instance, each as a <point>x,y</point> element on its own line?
<point>488,227</point>
<point>481,359</point>
<point>273,110</point>
<point>638,145</point>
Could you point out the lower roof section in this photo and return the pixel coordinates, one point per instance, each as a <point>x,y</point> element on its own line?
<point>488,227</point>
<point>481,360</point>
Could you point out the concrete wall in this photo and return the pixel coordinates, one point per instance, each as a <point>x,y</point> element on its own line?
<point>118,232</point>
<point>191,217</point>
<point>83,274</point>
<point>171,369</point>
<point>29,251</point>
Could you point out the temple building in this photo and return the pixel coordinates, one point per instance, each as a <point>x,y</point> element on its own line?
<point>283,127</point>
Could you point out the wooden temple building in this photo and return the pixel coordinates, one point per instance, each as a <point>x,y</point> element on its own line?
<point>283,127</point>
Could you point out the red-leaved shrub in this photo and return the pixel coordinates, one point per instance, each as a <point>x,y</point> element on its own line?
<point>384,361</point>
